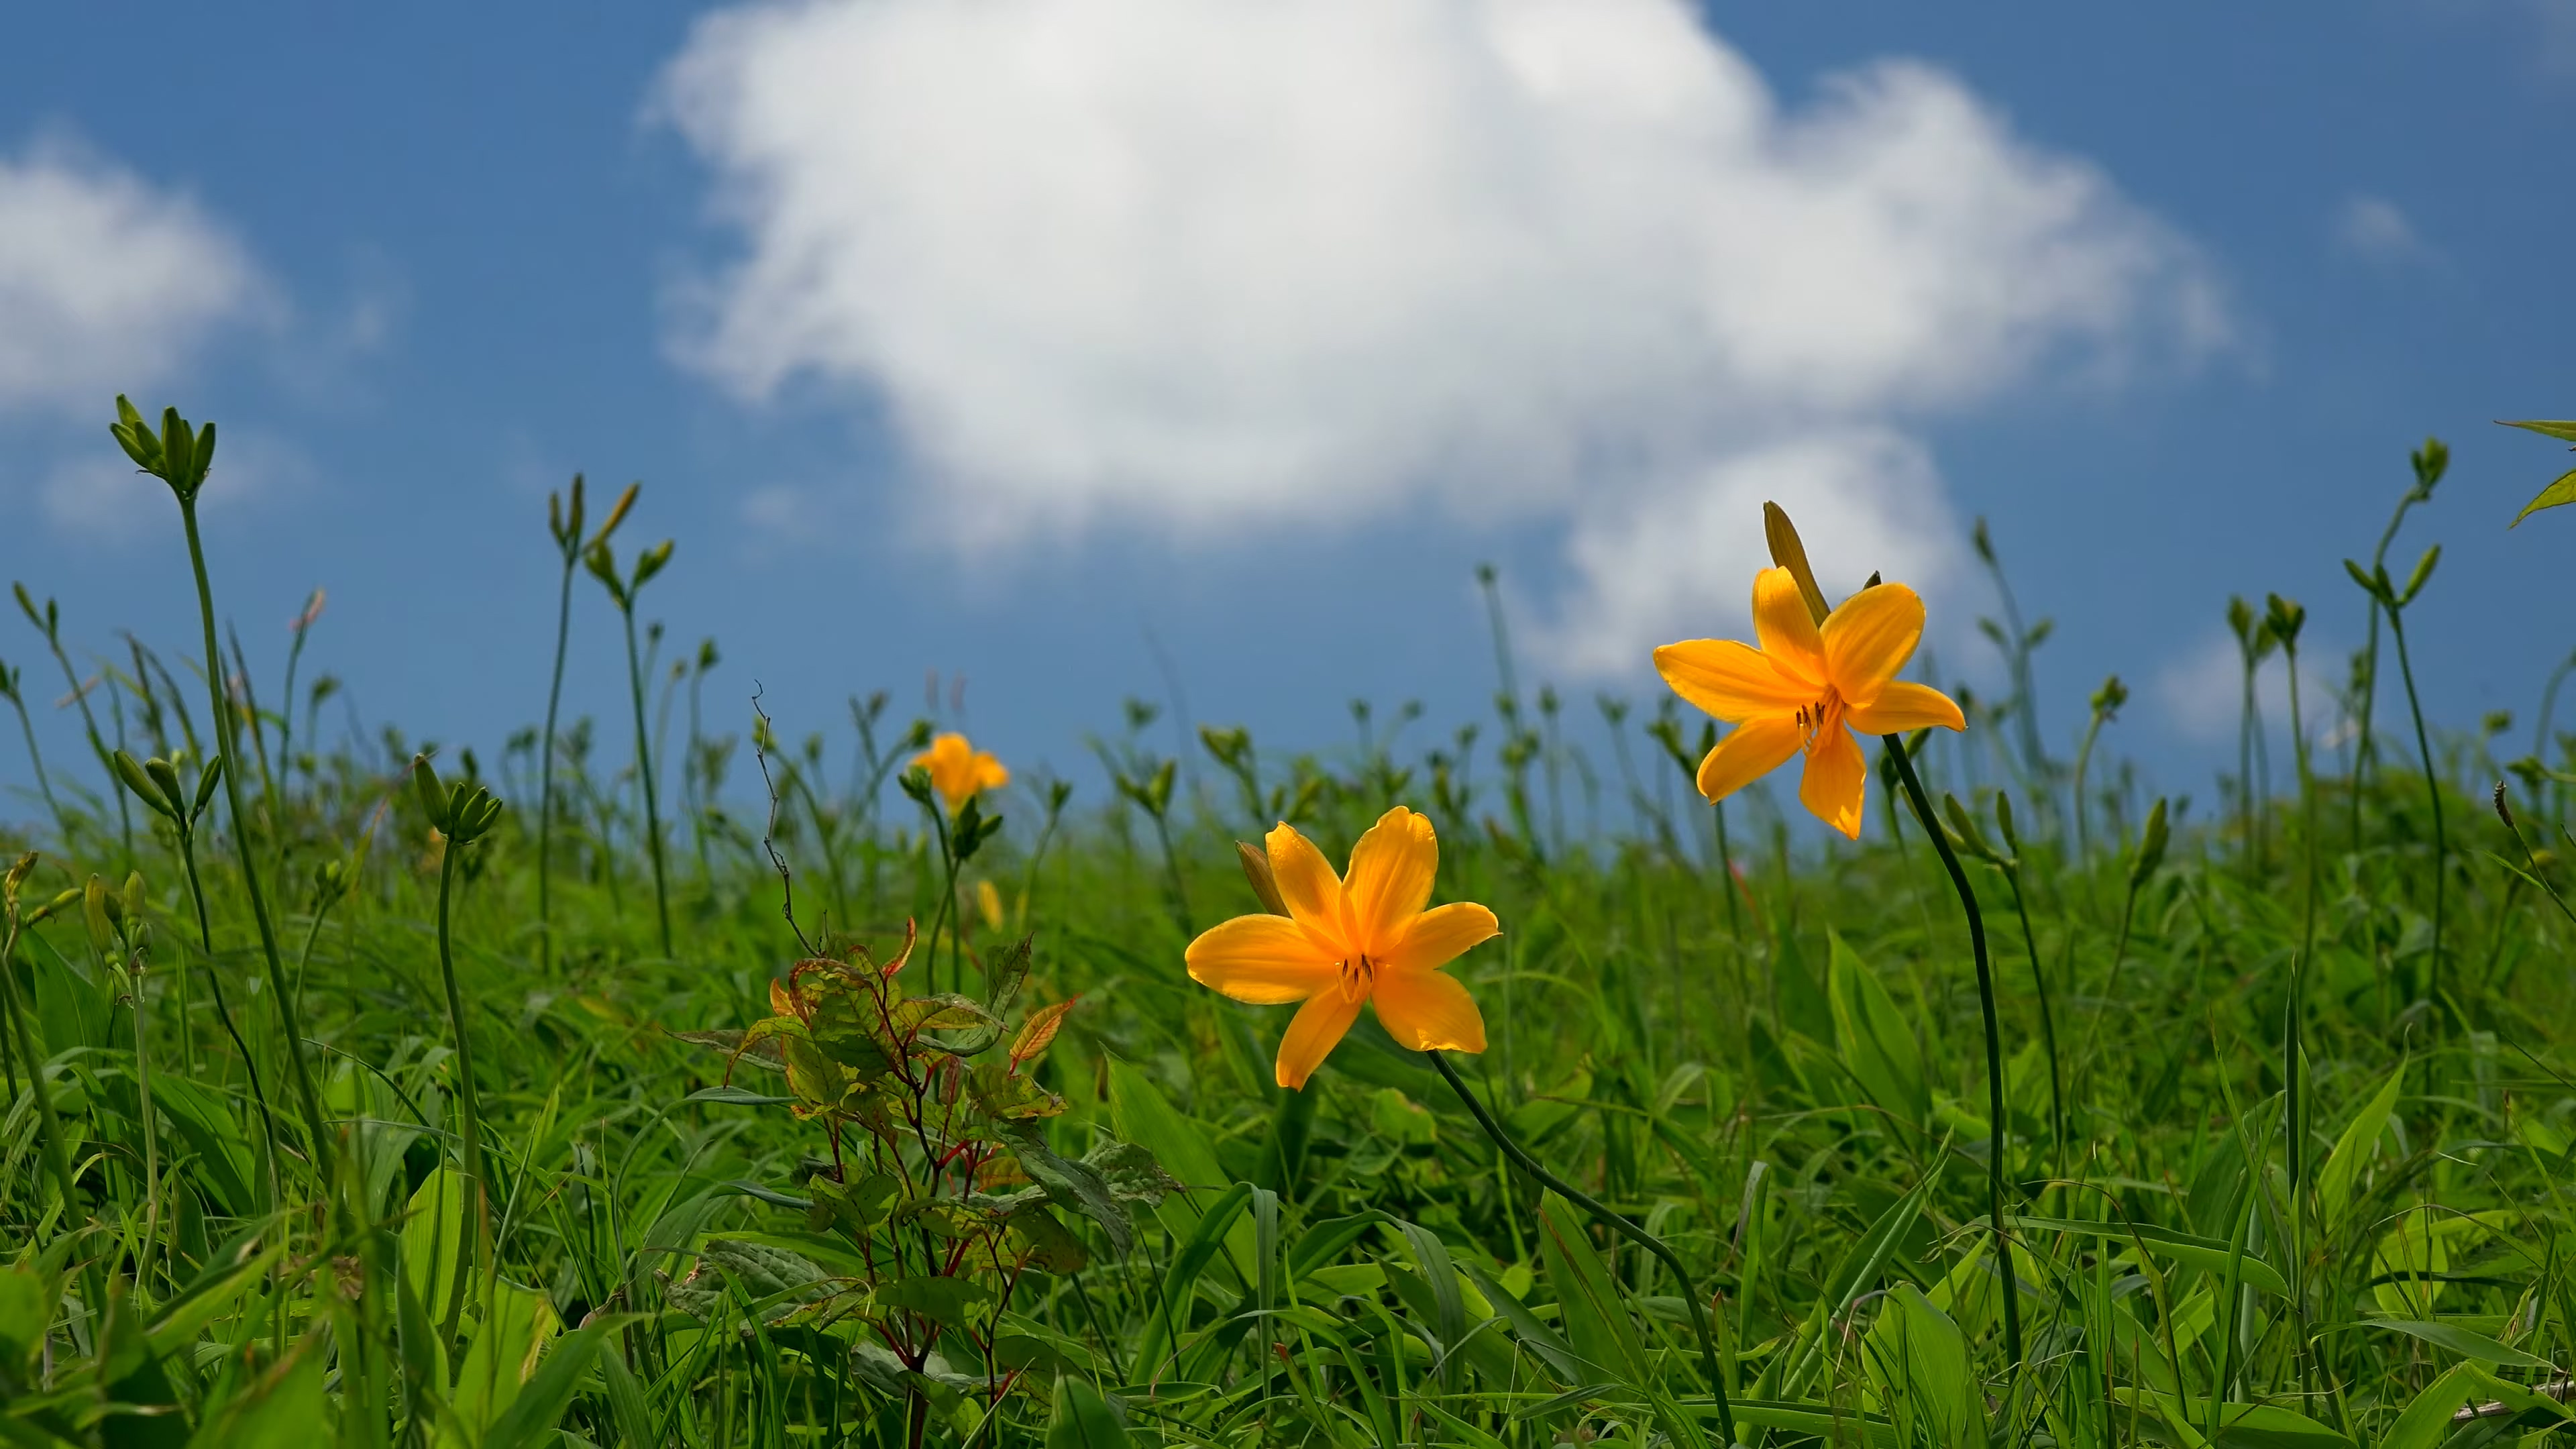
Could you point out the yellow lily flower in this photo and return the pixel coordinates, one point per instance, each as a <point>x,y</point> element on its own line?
<point>1808,688</point>
<point>1343,942</point>
<point>958,770</point>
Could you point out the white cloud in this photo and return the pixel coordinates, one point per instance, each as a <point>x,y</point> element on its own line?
<point>101,496</point>
<point>1196,264</point>
<point>2204,691</point>
<point>107,283</point>
<point>2377,230</point>
<point>1869,499</point>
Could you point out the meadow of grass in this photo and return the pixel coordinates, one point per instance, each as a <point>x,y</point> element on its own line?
<point>572,1097</point>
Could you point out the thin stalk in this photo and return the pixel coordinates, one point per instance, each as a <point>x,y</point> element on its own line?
<point>58,1161</point>
<point>2294,1023</point>
<point>2433,790</point>
<point>1994,1047</point>
<point>2083,760</point>
<point>1626,1229</point>
<point>229,737</point>
<point>224,1013</point>
<point>151,1131</point>
<point>97,744</point>
<point>471,1105</point>
<point>644,772</point>
<point>546,774</point>
<point>36,762</point>
<point>2047,1025</point>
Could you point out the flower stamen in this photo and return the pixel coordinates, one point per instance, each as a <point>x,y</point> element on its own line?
<point>1358,975</point>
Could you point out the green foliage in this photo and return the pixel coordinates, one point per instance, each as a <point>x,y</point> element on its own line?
<point>816,1175</point>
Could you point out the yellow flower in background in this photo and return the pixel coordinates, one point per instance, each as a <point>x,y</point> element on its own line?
<point>1808,688</point>
<point>959,771</point>
<point>1343,942</point>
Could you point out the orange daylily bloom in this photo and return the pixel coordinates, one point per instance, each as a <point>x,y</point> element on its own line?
<point>1808,688</point>
<point>958,770</point>
<point>1366,938</point>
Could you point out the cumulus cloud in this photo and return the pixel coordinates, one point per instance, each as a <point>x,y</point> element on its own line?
<point>2203,690</point>
<point>1202,264</point>
<point>107,283</point>
<point>1870,499</point>
<point>102,497</point>
<point>2377,230</point>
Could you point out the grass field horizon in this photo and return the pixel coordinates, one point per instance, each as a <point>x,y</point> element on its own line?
<point>826,1082</point>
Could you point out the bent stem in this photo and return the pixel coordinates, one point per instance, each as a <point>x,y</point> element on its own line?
<point>1994,1050</point>
<point>546,773</point>
<point>228,737</point>
<point>2433,790</point>
<point>472,1108</point>
<point>1625,1228</point>
<point>644,773</point>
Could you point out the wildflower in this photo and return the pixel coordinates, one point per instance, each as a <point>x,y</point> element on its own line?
<point>959,771</point>
<point>1808,688</point>
<point>1343,942</point>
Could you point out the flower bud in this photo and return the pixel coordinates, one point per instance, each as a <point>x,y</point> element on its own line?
<point>2151,846</point>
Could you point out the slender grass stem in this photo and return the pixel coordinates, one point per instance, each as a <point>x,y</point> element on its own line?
<point>1690,1295</point>
<point>1994,1049</point>
<point>228,734</point>
<point>224,1013</point>
<point>470,1105</point>
<point>644,773</point>
<point>546,771</point>
<point>36,764</point>
<point>2047,1026</point>
<point>2433,792</point>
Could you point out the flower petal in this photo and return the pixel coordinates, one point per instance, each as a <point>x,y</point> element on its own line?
<point>1390,879</point>
<point>1787,629</point>
<point>1261,959</point>
<point>1441,935</point>
<point>1869,638</point>
<point>1904,705</point>
<point>1735,682</point>
<point>1428,1011</point>
<point>1313,1033</point>
<point>1308,886</point>
<point>1750,751</point>
<point>1837,781</point>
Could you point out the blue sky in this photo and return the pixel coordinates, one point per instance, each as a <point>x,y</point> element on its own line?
<point>1031,341</point>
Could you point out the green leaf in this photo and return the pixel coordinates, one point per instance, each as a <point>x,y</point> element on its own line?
<point>434,1236</point>
<point>2561,491</point>
<point>1876,1039</point>
<point>2240,1426</point>
<point>281,1409</point>
<point>1084,1420</point>
<point>1594,1315</point>
<point>2459,1342</point>
<point>2207,1254</point>
<point>1921,1357</point>
<point>531,1418</point>
<point>1140,1114</point>
<point>2564,432</point>
<point>1074,1185</point>
<point>951,1301</point>
<point>2352,1151</point>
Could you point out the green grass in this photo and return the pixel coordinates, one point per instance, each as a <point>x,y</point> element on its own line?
<point>1779,1073</point>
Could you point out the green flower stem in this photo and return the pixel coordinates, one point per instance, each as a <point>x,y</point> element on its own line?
<point>471,1109</point>
<point>2047,1022</point>
<point>1994,1045</point>
<point>644,773</point>
<point>2433,791</point>
<point>36,764</point>
<point>57,1157</point>
<point>228,735</point>
<point>224,1013</point>
<point>546,773</point>
<point>1626,1229</point>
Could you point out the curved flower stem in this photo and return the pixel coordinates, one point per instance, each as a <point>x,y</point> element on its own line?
<point>1994,1047</point>
<point>546,774</point>
<point>228,736</point>
<point>1625,1228</point>
<point>472,1114</point>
